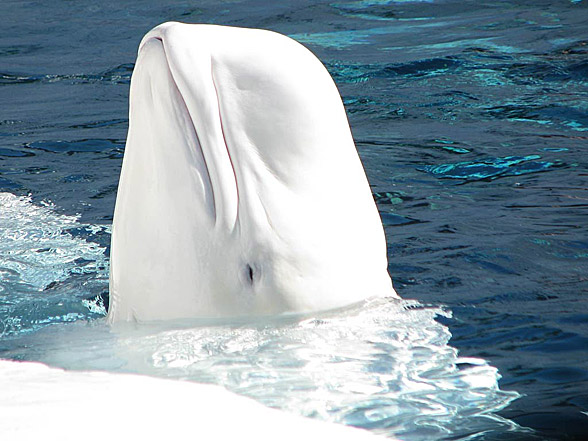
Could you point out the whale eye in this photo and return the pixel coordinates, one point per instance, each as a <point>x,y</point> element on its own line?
<point>249,272</point>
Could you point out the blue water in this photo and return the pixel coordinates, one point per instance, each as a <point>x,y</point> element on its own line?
<point>471,119</point>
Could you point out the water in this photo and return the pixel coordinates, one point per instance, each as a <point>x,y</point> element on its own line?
<point>471,119</point>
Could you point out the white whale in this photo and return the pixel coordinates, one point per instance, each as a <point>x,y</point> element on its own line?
<point>241,191</point>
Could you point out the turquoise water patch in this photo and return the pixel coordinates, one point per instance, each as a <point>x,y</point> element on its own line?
<point>569,116</point>
<point>379,10</point>
<point>390,198</point>
<point>450,146</point>
<point>338,39</point>
<point>429,66</point>
<point>46,269</point>
<point>350,73</point>
<point>394,220</point>
<point>490,168</point>
<point>360,73</point>
<point>348,38</point>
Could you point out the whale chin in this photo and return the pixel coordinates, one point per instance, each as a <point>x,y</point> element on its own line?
<point>241,191</point>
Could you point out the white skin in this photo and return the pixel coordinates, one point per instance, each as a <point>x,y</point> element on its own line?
<point>241,192</point>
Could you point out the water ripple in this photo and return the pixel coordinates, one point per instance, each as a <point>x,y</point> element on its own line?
<point>385,365</point>
<point>77,146</point>
<point>43,268</point>
<point>118,75</point>
<point>491,168</point>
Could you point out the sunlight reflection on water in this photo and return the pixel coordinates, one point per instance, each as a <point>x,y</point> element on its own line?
<point>385,365</point>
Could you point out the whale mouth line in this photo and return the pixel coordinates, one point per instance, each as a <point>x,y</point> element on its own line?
<point>187,112</point>
<point>206,154</point>
<point>226,144</point>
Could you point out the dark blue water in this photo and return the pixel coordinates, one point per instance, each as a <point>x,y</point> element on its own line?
<point>472,122</point>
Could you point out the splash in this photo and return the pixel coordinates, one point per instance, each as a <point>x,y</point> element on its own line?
<point>491,168</point>
<point>385,365</point>
<point>45,270</point>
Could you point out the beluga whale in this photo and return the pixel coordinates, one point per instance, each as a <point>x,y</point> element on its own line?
<point>241,191</point>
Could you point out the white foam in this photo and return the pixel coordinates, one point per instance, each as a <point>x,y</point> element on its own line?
<point>35,247</point>
<point>385,365</point>
<point>45,270</point>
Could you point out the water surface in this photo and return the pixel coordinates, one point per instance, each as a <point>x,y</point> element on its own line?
<point>472,122</point>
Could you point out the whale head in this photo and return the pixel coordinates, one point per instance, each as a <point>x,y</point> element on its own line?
<point>241,191</point>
